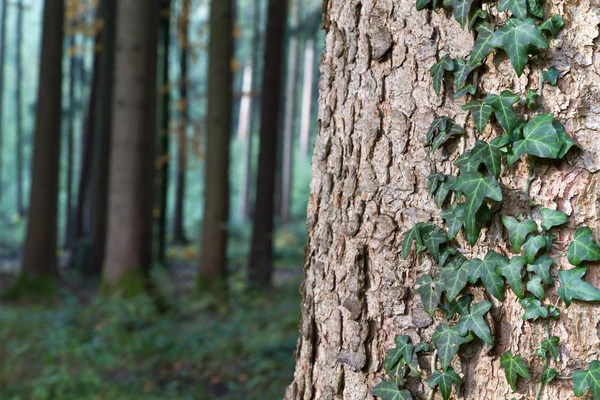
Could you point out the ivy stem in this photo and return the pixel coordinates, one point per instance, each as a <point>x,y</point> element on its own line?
<point>433,368</point>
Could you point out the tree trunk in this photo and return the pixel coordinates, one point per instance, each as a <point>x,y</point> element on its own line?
<point>131,183</point>
<point>40,244</point>
<point>19,108</point>
<point>68,212</point>
<point>216,199</point>
<point>307,85</point>
<point>179,236</point>
<point>369,186</point>
<point>289,119</point>
<point>244,123</point>
<point>2,62</point>
<point>102,132</point>
<point>261,252</point>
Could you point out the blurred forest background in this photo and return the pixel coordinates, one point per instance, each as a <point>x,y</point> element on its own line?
<point>154,176</point>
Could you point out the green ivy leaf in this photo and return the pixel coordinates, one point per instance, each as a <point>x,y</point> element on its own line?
<point>552,25</point>
<point>438,69</point>
<point>552,218</point>
<point>446,253</point>
<point>534,285</point>
<point>583,247</point>
<point>517,133</point>
<point>390,391</point>
<point>490,155</point>
<point>433,182</point>
<point>590,379</point>
<point>574,288</point>
<point>531,98</point>
<point>541,267</point>
<point>455,218</point>
<point>553,312</point>
<point>566,140</point>
<point>475,322</point>
<point>403,351</point>
<point>513,272</point>
<point>447,341</point>
<point>518,231</point>
<point>462,70</point>
<point>397,373</point>
<point>482,46</point>
<point>503,108</point>
<point>422,4</point>
<point>476,188</point>
<point>444,380</point>
<point>518,8</point>
<point>550,345</point>
<point>548,375</point>
<point>481,113</point>
<point>467,89</point>
<point>541,139</point>
<point>466,163</point>
<point>444,189</point>
<point>486,271</point>
<point>459,306</point>
<point>443,137</point>
<point>455,281</point>
<point>550,76</point>
<point>430,291</point>
<point>476,16</point>
<point>439,124</point>
<point>461,9</point>
<point>518,39</point>
<point>413,235</point>
<point>534,245</point>
<point>533,309</point>
<point>432,240</point>
<point>513,366</point>
<point>535,8</point>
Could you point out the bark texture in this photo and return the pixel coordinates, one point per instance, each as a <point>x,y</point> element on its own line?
<point>370,169</point>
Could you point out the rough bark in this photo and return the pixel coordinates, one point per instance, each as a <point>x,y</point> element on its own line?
<point>19,108</point>
<point>40,243</point>
<point>213,257</point>
<point>131,183</point>
<point>370,169</point>
<point>261,253</point>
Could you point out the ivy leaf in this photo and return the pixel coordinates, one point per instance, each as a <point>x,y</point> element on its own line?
<point>455,281</point>
<point>552,25</point>
<point>513,366</point>
<point>583,247</point>
<point>402,351</point>
<point>474,322</point>
<point>443,137</point>
<point>518,8</point>
<point>552,218</point>
<point>482,46</point>
<point>438,69</point>
<point>456,261</point>
<point>517,133</point>
<point>486,271</point>
<point>462,70</point>
<point>432,240</point>
<point>553,312</point>
<point>476,188</point>
<point>444,188</point>
<point>518,38</point>
<point>455,218</point>
<point>466,163</point>
<point>566,140</point>
<point>481,113</point>
<point>439,124</point>
<point>475,16</point>
<point>433,182</point>
<point>490,155</point>
<point>550,76</point>
<point>534,285</point>
<point>430,291</point>
<point>444,380</point>
<point>535,8</point>
<point>447,341</point>
<point>459,306</point>
<point>548,375</point>
<point>534,245</point>
<point>574,288</point>
<point>541,139</point>
<point>446,253</point>
<point>590,379</point>
<point>541,267</point>
<point>390,391</point>
<point>503,108</point>
<point>461,9</point>
<point>531,98</point>
<point>518,231</point>
<point>533,309</point>
<point>467,89</point>
<point>513,272</point>
<point>413,235</point>
<point>551,346</point>
<point>422,4</point>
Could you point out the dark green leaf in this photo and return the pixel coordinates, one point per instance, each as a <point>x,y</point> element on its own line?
<point>552,218</point>
<point>534,285</point>
<point>518,8</point>
<point>447,341</point>
<point>518,231</point>
<point>462,70</point>
<point>533,309</point>
<point>534,245</point>
<point>513,366</point>
<point>402,351</point>
<point>461,9</point>
<point>590,379</point>
<point>552,25</point>
<point>486,271</point>
<point>503,108</point>
<point>444,381</point>
<point>566,140</point>
<point>438,69</point>
<point>422,4</point>
<point>456,261</point>
<point>444,188</point>
<point>583,247</point>
<point>475,16</point>
<point>397,373</point>
<point>466,163</point>
<point>481,113</point>
<point>541,267</point>
<point>551,346</point>
<point>430,291</point>
<point>443,137</point>
<point>513,272</point>
<point>574,288</point>
<point>455,218</point>
<point>531,98</point>
<point>432,239</point>
<point>475,322</point>
<point>467,89</point>
<point>459,306</point>
<point>412,235</point>
<point>553,312</point>
<point>390,391</point>
<point>434,181</point>
<point>550,76</point>
<point>518,39</point>
<point>490,155</point>
<point>455,281</point>
<point>446,253</point>
<point>482,46</point>
<point>541,139</point>
<point>548,375</point>
<point>517,133</point>
<point>535,8</point>
<point>439,124</point>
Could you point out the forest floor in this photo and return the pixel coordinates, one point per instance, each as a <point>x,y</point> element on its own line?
<point>82,347</point>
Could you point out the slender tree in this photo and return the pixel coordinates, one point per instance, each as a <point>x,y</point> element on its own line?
<point>213,258</point>
<point>179,236</point>
<point>261,253</point>
<point>39,261</point>
<point>19,108</point>
<point>131,183</point>
<point>72,118</point>
<point>2,61</point>
<point>307,97</point>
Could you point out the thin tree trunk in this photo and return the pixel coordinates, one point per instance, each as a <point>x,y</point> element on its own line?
<point>102,140</point>
<point>307,86</point>
<point>288,129</point>
<point>245,102</point>
<point>131,184</point>
<point>40,244</point>
<point>179,236</point>
<point>19,108</point>
<point>261,253</point>
<point>70,137</point>
<point>2,61</point>
<point>213,257</point>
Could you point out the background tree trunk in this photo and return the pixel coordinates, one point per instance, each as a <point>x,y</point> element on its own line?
<point>370,169</point>
<point>307,90</point>
<point>2,62</point>
<point>72,118</point>
<point>131,183</point>
<point>213,257</point>
<point>19,107</point>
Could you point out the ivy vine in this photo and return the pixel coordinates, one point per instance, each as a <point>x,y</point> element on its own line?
<point>467,200</point>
